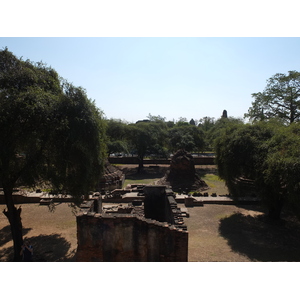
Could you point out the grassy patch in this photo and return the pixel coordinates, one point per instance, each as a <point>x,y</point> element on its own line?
<point>216,185</point>
<point>140,181</point>
<point>211,177</point>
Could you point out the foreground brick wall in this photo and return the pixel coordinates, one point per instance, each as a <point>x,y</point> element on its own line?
<point>103,237</point>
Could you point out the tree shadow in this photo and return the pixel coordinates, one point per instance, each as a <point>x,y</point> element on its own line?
<point>5,234</point>
<point>46,248</point>
<point>146,173</point>
<point>261,239</point>
<point>255,207</point>
<point>208,170</point>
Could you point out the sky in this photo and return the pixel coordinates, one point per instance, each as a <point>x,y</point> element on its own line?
<point>174,77</point>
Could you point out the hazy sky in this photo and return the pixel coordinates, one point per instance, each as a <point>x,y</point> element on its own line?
<point>130,78</point>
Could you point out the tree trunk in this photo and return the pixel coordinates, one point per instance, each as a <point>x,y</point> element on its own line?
<point>275,209</point>
<point>141,164</point>
<point>14,217</point>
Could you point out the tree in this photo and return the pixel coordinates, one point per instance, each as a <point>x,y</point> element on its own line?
<point>146,137</point>
<point>187,137</point>
<point>206,124</point>
<point>48,131</point>
<point>266,153</point>
<point>116,131</point>
<point>76,159</point>
<point>280,99</point>
<point>182,122</point>
<point>282,170</point>
<point>156,118</point>
<point>215,129</point>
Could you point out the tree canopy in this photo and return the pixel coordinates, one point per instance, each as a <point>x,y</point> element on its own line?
<point>266,153</point>
<point>280,99</point>
<point>117,141</point>
<point>147,138</point>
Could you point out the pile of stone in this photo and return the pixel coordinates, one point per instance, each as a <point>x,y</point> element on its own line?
<point>112,177</point>
<point>182,174</point>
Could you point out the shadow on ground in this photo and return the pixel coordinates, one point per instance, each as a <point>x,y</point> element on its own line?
<point>260,239</point>
<point>5,234</point>
<point>146,173</point>
<point>47,248</point>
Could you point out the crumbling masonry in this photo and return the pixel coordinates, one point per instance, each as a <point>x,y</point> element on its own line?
<point>153,231</point>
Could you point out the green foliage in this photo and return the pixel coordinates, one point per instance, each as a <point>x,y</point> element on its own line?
<point>206,123</point>
<point>49,129</point>
<point>156,118</point>
<point>267,153</point>
<point>147,138</point>
<point>117,140</point>
<point>76,164</point>
<point>218,128</point>
<point>280,99</point>
<point>187,137</point>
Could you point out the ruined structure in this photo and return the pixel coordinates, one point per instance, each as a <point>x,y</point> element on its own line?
<point>153,231</point>
<point>182,174</point>
<point>113,178</point>
<point>224,114</point>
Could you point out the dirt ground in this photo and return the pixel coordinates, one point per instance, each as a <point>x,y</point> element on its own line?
<point>217,233</point>
<point>52,234</point>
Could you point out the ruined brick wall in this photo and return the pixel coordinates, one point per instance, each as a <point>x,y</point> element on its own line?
<point>120,238</point>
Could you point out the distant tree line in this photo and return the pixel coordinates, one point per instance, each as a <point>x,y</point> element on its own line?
<point>159,138</point>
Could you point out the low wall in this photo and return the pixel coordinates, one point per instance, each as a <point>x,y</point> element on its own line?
<point>128,238</point>
<point>33,198</point>
<point>201,160</point>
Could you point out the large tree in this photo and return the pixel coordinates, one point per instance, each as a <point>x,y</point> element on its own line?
<point>116,131</point>
<point>206,124</point>
<point>187,137</point>
<point>280,99</point>
<point>147,138</point>
<point>266,153</point>
<point>49,131</point>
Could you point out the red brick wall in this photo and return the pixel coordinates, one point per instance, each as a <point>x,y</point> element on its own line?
<point>128,238</point>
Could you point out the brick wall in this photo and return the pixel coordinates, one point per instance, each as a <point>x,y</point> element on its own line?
<point>103,237</point>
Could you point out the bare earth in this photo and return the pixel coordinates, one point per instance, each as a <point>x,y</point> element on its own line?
<point>52,234</point>
<point>224,233</point>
